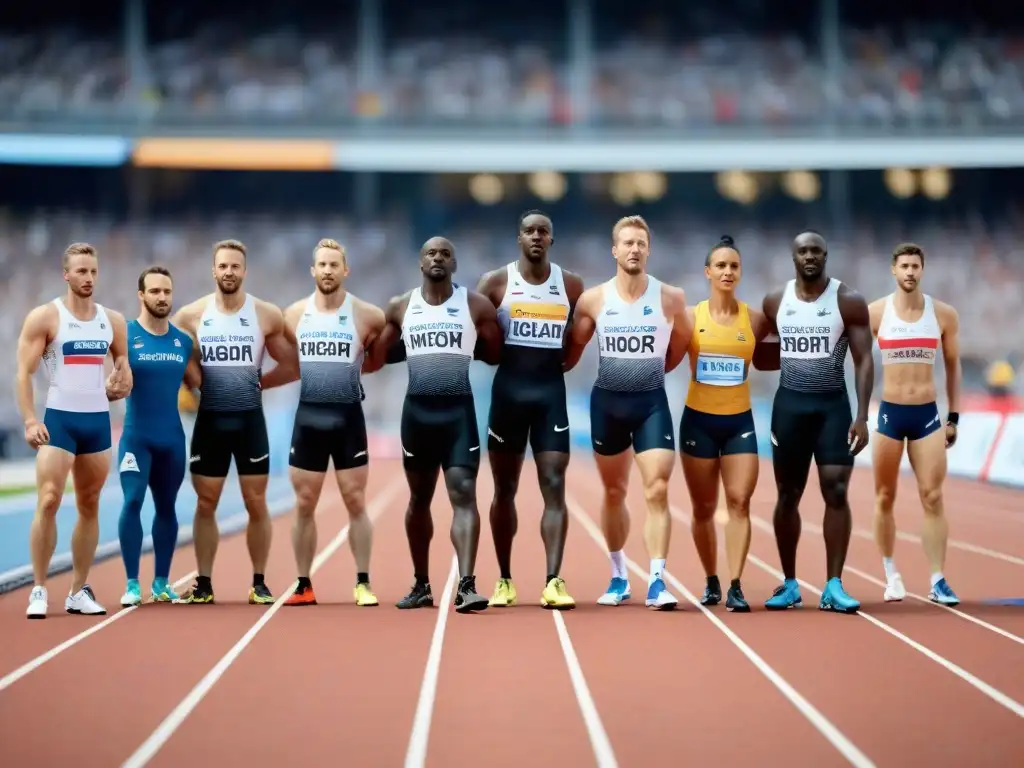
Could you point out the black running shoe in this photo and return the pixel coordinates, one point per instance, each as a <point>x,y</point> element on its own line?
<point>712,592</point>
<point>734,601</point>
<point>201,593</point>
<point>467,600</point>
<point>419,597</point>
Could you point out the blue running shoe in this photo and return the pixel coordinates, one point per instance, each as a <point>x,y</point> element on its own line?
<point>132,594</point>
<point>834,598</point>
<point>659,598</point>
<point>785,596</point>
<point>942,594</point>
<point>618,591</point>
<point>163,592</point>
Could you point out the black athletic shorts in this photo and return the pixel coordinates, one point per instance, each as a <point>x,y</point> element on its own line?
<point>710,435</point>
<point>524,411</point>
<point>219,436</point>
<point>619,420</point>
<point>439,431</point>
<point>322,433</point>
<point>908,422</point>
<point>806,425</point>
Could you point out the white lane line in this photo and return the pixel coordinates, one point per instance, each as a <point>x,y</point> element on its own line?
<point>152,745</point>
<point>416,753</point>
<point>824,726</point>
<point>599,740</point>
<point>993,693</point>
<point>766,526</point>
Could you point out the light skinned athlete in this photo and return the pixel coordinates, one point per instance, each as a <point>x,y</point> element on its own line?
<point>717,438</point>
<point>331,330</point>
<point>151,452</point>
<point>71,337</point>
<point>535,299</point>
<point>642,332</point>
<point>910,326</point>
<point>233,329</point>
<point>439,328</point>
<point>817,319</point>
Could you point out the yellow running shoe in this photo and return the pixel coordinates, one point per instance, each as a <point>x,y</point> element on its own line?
<point>504,594</point>
<point>363,595</point>
<point>260,595</point>
<point>555,596</point>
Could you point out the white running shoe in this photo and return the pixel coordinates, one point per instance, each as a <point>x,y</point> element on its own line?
<point>84,602</point>
<point>894,590</point>
<point>38,603</point>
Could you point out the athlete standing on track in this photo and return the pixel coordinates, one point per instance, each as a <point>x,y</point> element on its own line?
<point>717,437</point>
<point>909,325</point>
<point>637,318</point>
<point>818,318</point>
<point>332,329</point>
<point>72,337</point>
<point>534,299</point>
<point>151,452</point>
<point>442,327</point>
<point>232,328</point>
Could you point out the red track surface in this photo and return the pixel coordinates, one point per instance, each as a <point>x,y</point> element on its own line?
<point>339,685</point>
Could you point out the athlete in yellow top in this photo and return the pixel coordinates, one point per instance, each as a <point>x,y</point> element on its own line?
<point>717,438</point>
<point>910,327</point>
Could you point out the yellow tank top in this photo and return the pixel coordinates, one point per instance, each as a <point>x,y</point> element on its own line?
<point>719,363</point>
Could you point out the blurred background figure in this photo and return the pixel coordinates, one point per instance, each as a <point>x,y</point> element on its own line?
<point>379,123</point>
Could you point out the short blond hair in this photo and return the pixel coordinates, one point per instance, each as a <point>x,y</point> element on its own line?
<point>78,249</point>
<point>333,245</point>
<point>630,221</point>
<point>231,245</point>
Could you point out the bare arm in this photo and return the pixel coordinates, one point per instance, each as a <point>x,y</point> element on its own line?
<point>492,285</point>
<point>573,291</point>
<point>120,381</point>
<point>36,332</point>
<point>490,339</point>
<point>767,349</point>
<point>949,321</point>
<point>194,369</point>
<point>371,321</point>
<point>279,339</point>
<point>583,326</point>
<point>875,310</point>
<point>380,352</point>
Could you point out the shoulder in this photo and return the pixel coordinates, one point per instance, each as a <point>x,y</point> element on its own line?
<point>591,299</point>
<point>267,308</point>
<point>573,282</point>
<point>478,302</point>
<point>367,312</point>
<point>41,319</point>
<point>396,306</point>
<point>772,300</point>
<point>877,308</point>
<point>492,280</point>
<point>186,317</point>
<point>115,317</point>
<point>853,307</point>
<point>849,295</point>
<point>946,314</point>
<point>294,311</point>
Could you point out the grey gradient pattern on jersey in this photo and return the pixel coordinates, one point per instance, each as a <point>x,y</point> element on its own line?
<point>440,373</point>
<point>329,382</point>
<point>624,374</point>
<point>823,374</point>
<point>231,388</point>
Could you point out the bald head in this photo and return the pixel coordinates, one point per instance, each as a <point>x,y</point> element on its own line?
<point>437,259</point>
<point>809,254</point>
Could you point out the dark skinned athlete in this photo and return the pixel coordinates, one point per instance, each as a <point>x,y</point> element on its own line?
<point>535,300</point>
<point>439,328</point>
<point>817,318</point>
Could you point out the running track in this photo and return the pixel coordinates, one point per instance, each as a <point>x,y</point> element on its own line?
<point>336,685</point>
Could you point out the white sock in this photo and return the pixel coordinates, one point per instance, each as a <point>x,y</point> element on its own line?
<point>936,578</point>
<point>618,565</point>
<point>890,568</point>
<point>657,570</point>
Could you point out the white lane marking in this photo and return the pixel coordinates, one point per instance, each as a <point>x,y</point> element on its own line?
<point>599,740</point>
<point>416,753</point>
<point>824,726</point>
<point>766,526</point>
<point>152,745</point>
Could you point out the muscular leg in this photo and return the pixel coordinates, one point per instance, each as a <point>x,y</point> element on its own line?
<point>739,476</point>
<point>790,480</point>
<point>886,455</point>
<point>928,459</point>
<point>655,465</point>
<point>352,485</point>
<point>614,472</point>
<point>165,483</point>
<point>419,523</point>
<point>465,528</point>
<point>505,469</point>
<point>52,468</point>
<point>308,486</point>
<point>89,473</point>
<point>702,484</point>
<point>205,533</point>
<point>554,523</point>
<point>838,522</point>
<point>260,531</point>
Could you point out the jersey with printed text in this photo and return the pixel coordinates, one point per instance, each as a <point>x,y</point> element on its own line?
<point>75,359</point>
<point>330,354</point>
<point>439,344</point>
<point>158,363</point>
<point>533,319</point>
<point>231,347</point>
<point>901,341</point>
<point>813,341</point>
<point>632,340</point>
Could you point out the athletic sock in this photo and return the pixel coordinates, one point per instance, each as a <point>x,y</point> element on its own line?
<point>421,580</point>
<point>890,568</point>
<point>936,578</point>
<point>362,578</point>
<point>550,577</point>
<point>257,580</point>
<point>305,583</point>
<point>204,583</point>
<point>618,565</point>
<point>714,583</point>
<point>734,584</point>
<point>506,573</point>
<point>657,571</point>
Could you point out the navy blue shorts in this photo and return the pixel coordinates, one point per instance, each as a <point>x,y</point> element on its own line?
<point>620,420</point>
<point>908,422</point>
<point>710,435</point>
<point>78,433</point>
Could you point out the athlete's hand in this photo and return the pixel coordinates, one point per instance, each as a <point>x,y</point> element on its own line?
<point>116,386</point>
<point>857,437</point>
<point>950,434</point>
<point>36,433</point>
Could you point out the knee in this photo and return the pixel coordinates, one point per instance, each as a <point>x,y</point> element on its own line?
<point>737,504</point>
<point>834,492</point>
<point>462,488</point>
<point>49,500</point>
<point>305,502</point>
<point>553,482</point>
<point>656,492</point>
<point>931,500</point>
<point>703,511</point>
<point>788,500</point>
<point>255,503</point>
<point>206,506</point>
<point>354,500</point>
<point>885,497</point>
<point>505,490</point>
<point>615,495</point>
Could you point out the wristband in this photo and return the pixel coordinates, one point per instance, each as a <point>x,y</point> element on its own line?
<point>953,418</point>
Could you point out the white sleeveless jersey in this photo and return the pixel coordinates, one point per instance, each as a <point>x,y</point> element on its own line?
<point>74,362</point>
<point>632,340</point>
<point>439,343</point>
<point>813,341</point>
<point>904,342</point>
<point>231,346</point>
<point>534,315</point>
<point>330,354</point>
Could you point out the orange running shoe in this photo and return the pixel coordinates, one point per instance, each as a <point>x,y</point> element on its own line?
<point>303,596</point>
